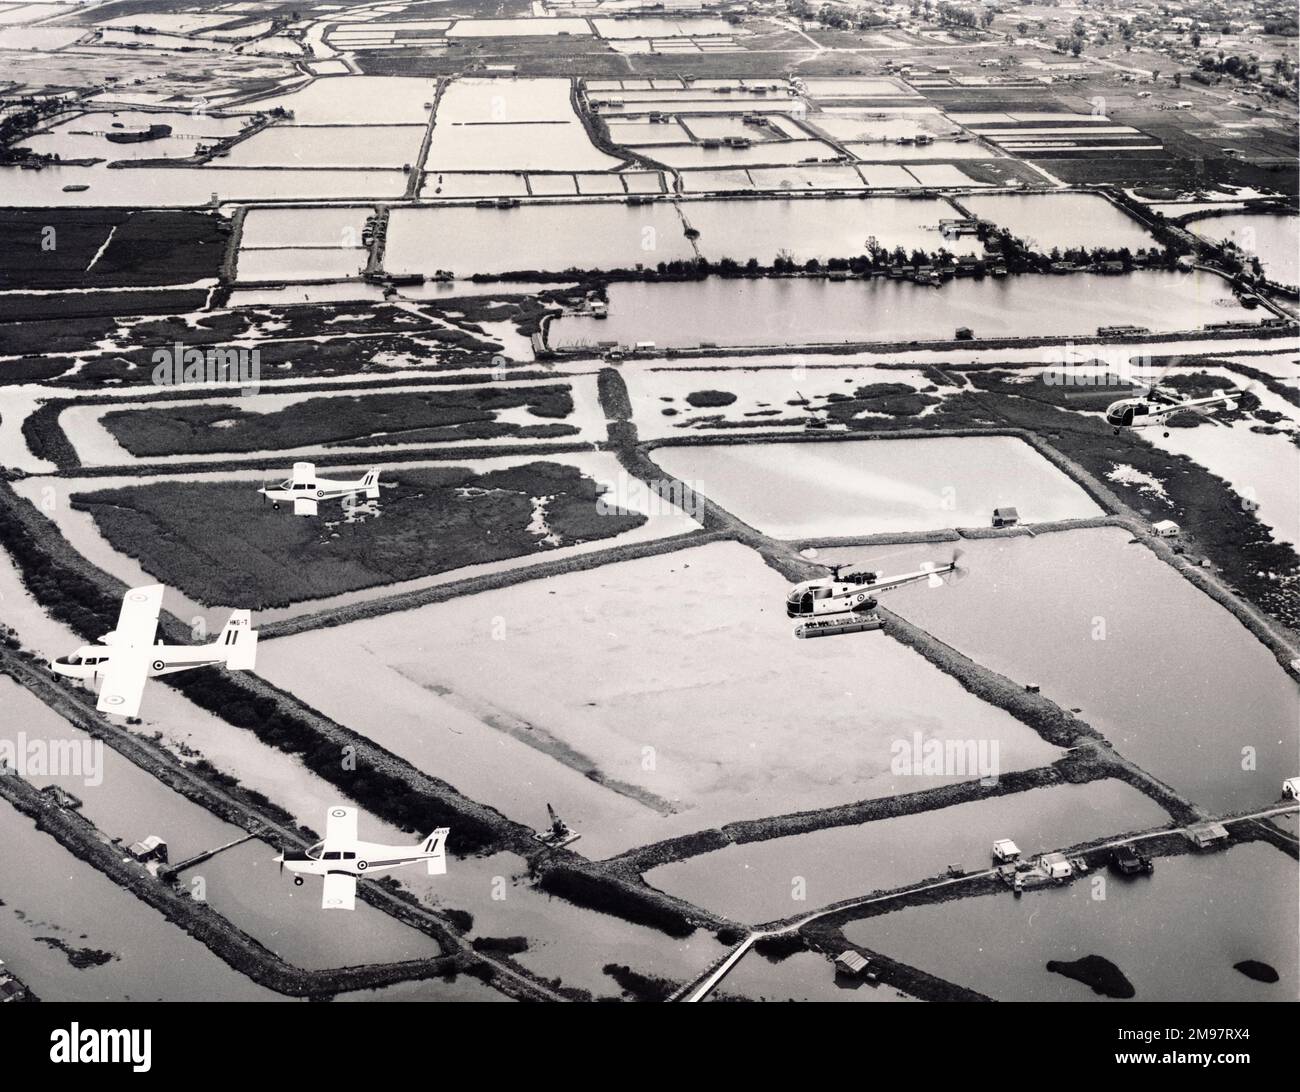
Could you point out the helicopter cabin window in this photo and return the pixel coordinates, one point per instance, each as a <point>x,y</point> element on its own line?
<point>1141,409</point>
<point>821,593</point>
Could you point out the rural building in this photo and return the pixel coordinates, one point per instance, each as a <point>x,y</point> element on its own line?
<point>1005,517</point>
<point>1291,788</point>
<point>152,848</point>
<point>851,963</point>
<point>1004,849</point>
<point>1056,865</point>
<point>1166,528</point>
<point>1208,836</point>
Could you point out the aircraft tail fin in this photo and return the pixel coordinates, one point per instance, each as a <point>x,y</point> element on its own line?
<point>371,483</point>
<point>238,641</point>
<point>436,844</point>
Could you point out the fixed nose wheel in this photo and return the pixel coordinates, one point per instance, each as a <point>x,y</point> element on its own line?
<point>297,881</point>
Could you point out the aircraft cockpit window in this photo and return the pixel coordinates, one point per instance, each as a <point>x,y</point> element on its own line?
<point>349,856</point>
<point>314,852</point>
<point>332,855</point>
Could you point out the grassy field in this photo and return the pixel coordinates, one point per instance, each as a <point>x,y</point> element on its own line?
<point>410,417</point>
<point>426,524</point>
<point>55,248</point>
<point>110,304</point>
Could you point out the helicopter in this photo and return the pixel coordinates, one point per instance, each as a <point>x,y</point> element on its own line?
<point>843,592</point>
<point>1160,403</point>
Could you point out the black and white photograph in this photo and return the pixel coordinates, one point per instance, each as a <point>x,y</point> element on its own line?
<point>662,501</point>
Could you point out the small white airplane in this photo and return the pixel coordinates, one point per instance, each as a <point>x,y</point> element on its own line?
<point>855,591</point>
<point>342,859</point>
<point>130,655</point>
<point>1155,407</point>
<point>305,491</point>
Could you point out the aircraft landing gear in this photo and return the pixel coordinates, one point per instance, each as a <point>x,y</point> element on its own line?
<point>1166,436</point>
<point>275,507</point>
<point>297,881</point>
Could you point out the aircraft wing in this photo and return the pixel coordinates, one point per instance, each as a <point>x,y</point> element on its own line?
<point>123,685</point>
<point>304,506</point>
<point>339,892</point>
<point>137,622</point>
<point>304,472</point>
<point>340,827</point>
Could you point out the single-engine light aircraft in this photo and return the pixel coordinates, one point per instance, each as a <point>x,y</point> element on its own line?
<point>341,859</point>
<point>304,490</point>
<point>129,655</point>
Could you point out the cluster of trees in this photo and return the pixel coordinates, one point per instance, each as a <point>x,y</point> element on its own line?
<point>1003,249</point>
<point>953,16</point>
<point>27,115</point>
<point>835,17</point>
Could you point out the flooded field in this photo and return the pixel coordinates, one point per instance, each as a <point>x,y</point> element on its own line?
<point>246,886</point>
<point>85,136</point>
<point>558,237</point>
<point>122,800</point>
<point>1207,912</point>
<point>355,100</point>
<point>1275,240</point>
<point>540,237</point>
<point>324,227</point>
<point>1166,674</point>
<point>300,264</point>
<point>755,882</point>
<point>807,311</point>
<point>831,489</point>
<point>170,187</point>
<point>327,146</point>
<point>599,690</point>
<point>511,124</point>
<point>1061,220</point>
<point>819,229</point>
<point>51,898</point>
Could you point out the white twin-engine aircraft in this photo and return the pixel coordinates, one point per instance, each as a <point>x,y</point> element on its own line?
<point>342,860</point>
<point>305,491</point>
<point>855,591</point>
<point>129,655</point>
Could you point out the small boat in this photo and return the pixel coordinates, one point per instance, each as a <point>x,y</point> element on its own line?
<point>76,188</point>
